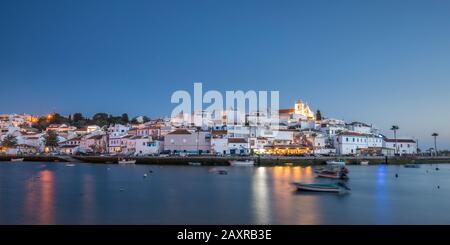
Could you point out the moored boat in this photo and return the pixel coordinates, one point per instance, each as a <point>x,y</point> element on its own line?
<point>332,175</point>
<point>364,163</point>
<point>126,161</point>
<point>195,163</point>
<point>412,165</point>
<point>16,159</point>
<point>318,187</point>
<point>242,163</point>
<point>336,163</point>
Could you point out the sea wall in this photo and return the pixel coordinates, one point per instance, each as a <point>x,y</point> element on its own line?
<point>222,161</point>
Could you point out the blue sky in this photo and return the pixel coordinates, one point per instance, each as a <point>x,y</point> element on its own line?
<point>381,62</point>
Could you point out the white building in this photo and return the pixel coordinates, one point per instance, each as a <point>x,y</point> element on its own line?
<point>359,127</point>
<point>238,146</point>
<point>349,143</point>
<point>401,146</point>
<point>219,146</point>
<point>143,146</point>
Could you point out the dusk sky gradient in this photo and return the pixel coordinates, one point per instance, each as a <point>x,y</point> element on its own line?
<point>380,62</point>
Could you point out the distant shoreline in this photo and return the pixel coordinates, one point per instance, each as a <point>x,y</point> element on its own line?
<point>223,161</point>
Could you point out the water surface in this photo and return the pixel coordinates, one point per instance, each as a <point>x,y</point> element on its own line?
<point>52,193</point>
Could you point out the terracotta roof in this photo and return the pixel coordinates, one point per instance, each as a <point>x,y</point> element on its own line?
<point>219,132</point>
<point>282,111</point>
<point>353,134</point>
<point>180,131</point>
<point>285,146</point>
<point>237,140</point>
<point>399,140</point>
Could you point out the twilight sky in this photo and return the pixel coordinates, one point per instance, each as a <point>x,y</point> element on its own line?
<point>380,62</point>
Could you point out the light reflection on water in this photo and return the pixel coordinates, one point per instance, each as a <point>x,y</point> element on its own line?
<point>32,193</point>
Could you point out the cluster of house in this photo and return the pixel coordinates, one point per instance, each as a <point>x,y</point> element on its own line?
<point>298,132</point>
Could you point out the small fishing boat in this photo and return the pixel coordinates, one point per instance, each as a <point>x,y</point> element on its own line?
<point>222,172</point>
<point>412,165</point>
<point>195,163</point>
<point>336,163</point>
<point>126,161</point>
<point>320,187</point>
<point>364,163</point>
<point>242,163</point>
<point>70,165</point>
<point>218,171</point>
<point>332,174</point>
<point>334,168</point>
<point>16,159</point>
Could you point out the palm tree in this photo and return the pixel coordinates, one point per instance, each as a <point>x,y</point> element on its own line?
<point>395,128</point>
<point>435,135</point>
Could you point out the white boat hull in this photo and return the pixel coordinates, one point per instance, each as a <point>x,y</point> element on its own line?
<point>195,164</point>
<point>311,188</point>
<point>242,163</point>
<point>17,160</point>
<point>336,163</point>
<point>127,162</point>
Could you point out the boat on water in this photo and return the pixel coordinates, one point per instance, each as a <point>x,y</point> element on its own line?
<point>412,165</point>
<point>222,172</point>
<point>334,168</point>
<point>126,161</point>
<point>219,171</point>
<point>195,163</point>
<point>335,188</point>
<point>332,175</point>
<point>242,163</point>
<point>70,165</point>
<point>16,159</point>
<point>336,163</point>
<point>364,163</point>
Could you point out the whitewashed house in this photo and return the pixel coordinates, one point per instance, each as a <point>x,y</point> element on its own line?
<point>348,143</point>
<point>401,146</point>
<point>238,146</point>
<point>115,142</point>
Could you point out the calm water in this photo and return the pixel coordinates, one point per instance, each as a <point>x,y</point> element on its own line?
<point>51,193</point>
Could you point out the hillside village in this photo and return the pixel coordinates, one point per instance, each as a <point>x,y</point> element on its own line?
<point>299,132</point>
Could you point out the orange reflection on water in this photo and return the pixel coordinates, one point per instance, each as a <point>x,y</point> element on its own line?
<point>290,206</point>
<point>39,198</point>
<point>47,197</point>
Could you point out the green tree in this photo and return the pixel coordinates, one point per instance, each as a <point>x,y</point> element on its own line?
<point>77,117</point>
<point>41,124</point>
<point>125,118</point>
<point>100,119</point>
<point>51,140</point>
<point>395,128</point>
<point>56,118</point>
<point>9,141</point>
<point>145,119</point>
<point>78,120</point>
<point>318,115</point>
